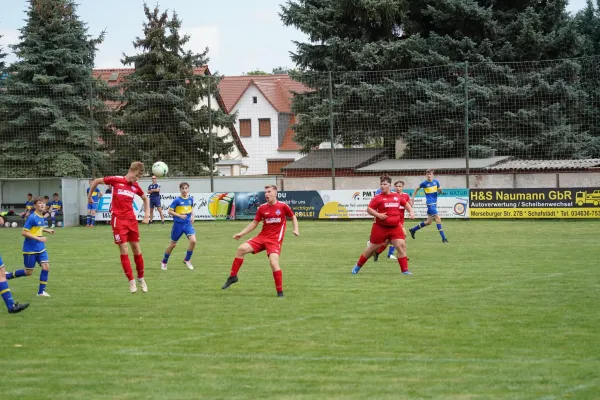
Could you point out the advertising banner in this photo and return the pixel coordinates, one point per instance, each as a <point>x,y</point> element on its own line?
<point>346,204</point>
<point>207,206</point>
<point>535,203</point>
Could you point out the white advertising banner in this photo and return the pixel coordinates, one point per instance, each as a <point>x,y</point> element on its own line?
<point>207,206</point>
<point>344,204</point>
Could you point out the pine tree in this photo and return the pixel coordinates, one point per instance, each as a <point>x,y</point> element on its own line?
<point>2,62</point>
<point>412,60</point>
<point>161,118</point>
<point>45,124</point>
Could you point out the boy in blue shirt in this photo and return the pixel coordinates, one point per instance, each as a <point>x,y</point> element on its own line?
<point>154,196</point>
<point>28,207</point>
<point>34,246</point>
<point>431,187</point>
<point>182,211</point>
<point>55,208</point>
<point>12,306</point>
<point>93,206</point>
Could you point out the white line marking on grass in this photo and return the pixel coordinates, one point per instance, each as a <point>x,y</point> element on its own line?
<point>228,332</point>
<point>567,392</point>
<point>358,359</point>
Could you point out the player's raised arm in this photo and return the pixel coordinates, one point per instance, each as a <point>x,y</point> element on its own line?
<point>411,213</point>
<point>412,198</point>
<point>146,207</point>
<point>93,186</point>
<point>251,226</point>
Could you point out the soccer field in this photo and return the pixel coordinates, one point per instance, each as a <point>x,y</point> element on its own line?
<point>506,310</point>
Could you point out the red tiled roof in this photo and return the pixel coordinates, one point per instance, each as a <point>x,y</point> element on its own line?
<point>288,143</point>
<point>106,73</point>
<point>277,89</point>
<point>120,74</point>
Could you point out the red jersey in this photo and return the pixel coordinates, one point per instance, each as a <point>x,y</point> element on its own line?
<point>406,198</point>
<point>274,220</point>
<point>121,205</point>
<point>390,205</point>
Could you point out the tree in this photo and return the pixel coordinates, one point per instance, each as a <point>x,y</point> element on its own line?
<point>2,63</point>
<point>411,61</point>
<point>162,118</point>
<point>257,72</point>
<point>45,122</point>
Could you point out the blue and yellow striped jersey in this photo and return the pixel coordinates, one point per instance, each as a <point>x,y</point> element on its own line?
<point>55,205</point>
<point>431,190</point>
<point>184,207</point>
<point>29,205</point>
<point>35,225</point>
<point>95,195</point>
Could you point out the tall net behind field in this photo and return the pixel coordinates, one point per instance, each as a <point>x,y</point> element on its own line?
<point>456,118</point>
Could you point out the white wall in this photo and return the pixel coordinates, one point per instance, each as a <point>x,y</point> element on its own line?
<point>260,148</point>
<point>15,191</point>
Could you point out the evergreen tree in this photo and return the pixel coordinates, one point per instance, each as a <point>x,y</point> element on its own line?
<point>161,118</point>
<point>45,124</point>
<point>2,63</point>
<point>412,60</point>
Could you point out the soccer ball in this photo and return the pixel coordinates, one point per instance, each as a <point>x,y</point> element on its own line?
<point>59,224</point>
<point>7,224</point>
<point>14,224</point>
<point>160,169</point>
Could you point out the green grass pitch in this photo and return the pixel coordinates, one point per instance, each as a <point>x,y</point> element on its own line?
<point>506,310</point>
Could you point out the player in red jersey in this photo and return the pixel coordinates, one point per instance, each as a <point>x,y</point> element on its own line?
<point>123,219</point>
<point>399,186</point>
<point>273,214</point>
<point>385,207</point>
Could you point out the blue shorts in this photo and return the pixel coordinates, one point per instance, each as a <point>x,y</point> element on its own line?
<point>179,229</point>
<point>92,206</point>
<point>432,210</point>
<point>155,202</point>
<point>29,260</point>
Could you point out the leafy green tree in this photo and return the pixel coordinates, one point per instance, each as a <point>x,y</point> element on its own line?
<point>45,123</point>
<point>163,117</point>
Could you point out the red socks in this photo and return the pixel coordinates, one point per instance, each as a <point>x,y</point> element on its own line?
<point>235,267</point>
<point>278,281</point>
<point>381,249</point>
<point>126,264</point>
<point>403,264</point>
<point>139,265</point>
<point>361,261</point>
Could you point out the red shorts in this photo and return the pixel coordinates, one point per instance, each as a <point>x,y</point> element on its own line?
<point>125,230</point>
<point>259,244</point>
<point>379,234</point>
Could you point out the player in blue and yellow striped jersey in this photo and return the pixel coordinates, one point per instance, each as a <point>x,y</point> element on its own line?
<point>431,187</point>
<point>28,207</point>
<point>34,247</point>
<point>92,207</point>
<point>182,211</point>
<point>12,306</point>
<point>54,208</point>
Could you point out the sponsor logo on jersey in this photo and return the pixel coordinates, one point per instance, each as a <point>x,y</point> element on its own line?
<point>273,220</point>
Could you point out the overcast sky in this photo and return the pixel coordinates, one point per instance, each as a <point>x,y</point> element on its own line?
<point>241,35</point>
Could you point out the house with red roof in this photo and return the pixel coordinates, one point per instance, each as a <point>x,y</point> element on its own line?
<point>231,164</point>
<point>264,119</point>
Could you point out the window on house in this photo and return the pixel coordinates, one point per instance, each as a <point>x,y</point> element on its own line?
<point>255,99</point>
<point>264,127</point>
<point>245,128</point>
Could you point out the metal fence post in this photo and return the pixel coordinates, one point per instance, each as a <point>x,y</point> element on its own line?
<point>467,122</point>
<point>92,140</point>
<point>210,138</point>
<point>331,131</point>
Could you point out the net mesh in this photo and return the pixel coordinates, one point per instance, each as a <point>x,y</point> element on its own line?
<point>464,116</point>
